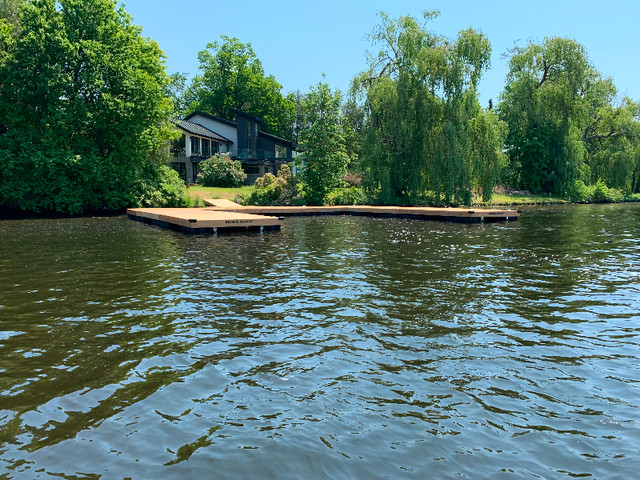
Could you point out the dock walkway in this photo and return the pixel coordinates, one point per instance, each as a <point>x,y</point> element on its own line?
<point>203,220</point>
<point>465,215</point>
<point>225,215</point>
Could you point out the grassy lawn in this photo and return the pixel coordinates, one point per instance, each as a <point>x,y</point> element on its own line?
<point>513,199</point>
<point>217,192</point>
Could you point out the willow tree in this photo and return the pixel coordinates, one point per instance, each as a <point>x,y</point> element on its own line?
<point>612,139</point>
<point>545,105</point>
<point>563,125</point>
<point>421,100</point>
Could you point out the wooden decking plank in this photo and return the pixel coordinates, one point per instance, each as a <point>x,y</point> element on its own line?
<point>202,220</point>
<point>417,212</point>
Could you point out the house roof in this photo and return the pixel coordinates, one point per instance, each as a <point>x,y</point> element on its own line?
<point>234,124</point>
<point>197,129</point>
<point>247,115</point>
<point>277,139</point>
<point>212,117</point>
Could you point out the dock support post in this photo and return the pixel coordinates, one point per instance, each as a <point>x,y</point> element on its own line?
<point>261,229</point>
<point>215,231</point>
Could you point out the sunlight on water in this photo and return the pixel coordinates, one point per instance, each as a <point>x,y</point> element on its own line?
<point>339,348</point>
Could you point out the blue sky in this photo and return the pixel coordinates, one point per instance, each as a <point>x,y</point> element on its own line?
<point>298,41</point>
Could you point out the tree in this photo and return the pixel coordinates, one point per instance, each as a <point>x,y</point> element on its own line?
<point>9,12</point>
<point>545,103</point>
<point>85,101</point>
<point>233,78</point>
<point>612,139</point>
<point>420,99</point>
<point>324,160</point>
<point>564,129</point>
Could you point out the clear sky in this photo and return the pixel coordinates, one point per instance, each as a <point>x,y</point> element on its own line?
<point>298,41</point>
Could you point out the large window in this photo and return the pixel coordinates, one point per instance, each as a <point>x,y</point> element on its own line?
<point>206,148</point>
<point>178,146</point>
<point>195,146</point>
<point>281,151</point>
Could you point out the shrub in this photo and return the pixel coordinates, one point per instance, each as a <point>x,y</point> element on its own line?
<point>347,196</point>
<point>272,190</point>
<point>164,189</point>
<point>580,193</point>
<point>604,194</point>
<point>598,193</point>
<point>221,171</point>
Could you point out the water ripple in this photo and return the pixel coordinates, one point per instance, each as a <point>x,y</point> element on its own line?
<point>341,348</point>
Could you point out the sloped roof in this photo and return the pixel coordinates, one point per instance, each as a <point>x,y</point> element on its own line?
<point>199,130</point>
<point>212,117</point>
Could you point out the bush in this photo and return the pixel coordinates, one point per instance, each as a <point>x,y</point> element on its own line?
<point>347,196</point>
<point>272,190</point>
<point>598,193</point>
<point>164,189</point>
<point>604,194</point>
<point>580,193</point>
<point>221,171</point>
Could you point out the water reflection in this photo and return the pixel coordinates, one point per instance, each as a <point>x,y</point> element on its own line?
<point>340,347</point>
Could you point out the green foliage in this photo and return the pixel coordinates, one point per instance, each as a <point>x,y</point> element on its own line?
<point>347,196</point>
<point>423,119</point>
<point>233,78</point>
<point>10,11</point>
<point>545,101</point>
<point>164,190</point>
<point>486,134</point>
<point>83,96</point>
<point>564,131</point>
<point>598,193</point>
<point>275,190</point>
<point>221,171</point>
<point>324,159</point>
<point>613,143</point>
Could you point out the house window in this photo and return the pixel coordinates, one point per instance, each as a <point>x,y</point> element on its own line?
<point>195,146</point>
<point>206,148</point>
<point>251,170</point>
<point>281,151</point>
<point>255,129</point>
<point>178,147</point>
<point>248,129</point>
<point>196,170</point>
<point>215,147</point>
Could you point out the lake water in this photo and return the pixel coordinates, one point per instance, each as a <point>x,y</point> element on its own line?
<point>339,348</point>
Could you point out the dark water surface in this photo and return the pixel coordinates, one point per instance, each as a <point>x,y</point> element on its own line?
<point>339,348</point>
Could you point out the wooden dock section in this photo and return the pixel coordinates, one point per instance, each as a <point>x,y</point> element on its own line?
<point>464,215</point>
<point>204,220</point>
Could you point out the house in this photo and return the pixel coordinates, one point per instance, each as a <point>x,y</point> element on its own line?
<point>204,135</point>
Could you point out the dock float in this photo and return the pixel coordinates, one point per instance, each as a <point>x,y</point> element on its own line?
<point>227,216</point>
<point>204,220</point>
<point>464,215</point>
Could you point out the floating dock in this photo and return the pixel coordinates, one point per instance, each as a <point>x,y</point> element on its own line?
<point>464,215</point>
<point>224,215</point>
<point>203,220</point>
